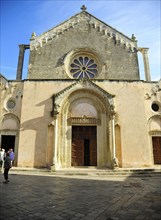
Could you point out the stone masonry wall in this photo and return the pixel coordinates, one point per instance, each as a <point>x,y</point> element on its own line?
<point>118,59</point>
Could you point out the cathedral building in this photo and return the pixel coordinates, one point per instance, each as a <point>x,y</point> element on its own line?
<point>83,103</point>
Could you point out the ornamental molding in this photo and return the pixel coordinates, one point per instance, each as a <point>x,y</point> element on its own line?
<point>9,132</point>
<point>156,89</point>
<point>83,120</point>
<point>155,133</point>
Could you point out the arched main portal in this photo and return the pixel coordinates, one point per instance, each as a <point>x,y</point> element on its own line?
<point>86,105</point>
<point>83,118</point>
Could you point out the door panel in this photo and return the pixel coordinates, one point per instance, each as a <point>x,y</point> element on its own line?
<point>93,155</point>
<point>77,152</point>
<point>86,152</point>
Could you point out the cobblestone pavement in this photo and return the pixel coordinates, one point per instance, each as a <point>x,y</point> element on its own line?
<point>47,197</point>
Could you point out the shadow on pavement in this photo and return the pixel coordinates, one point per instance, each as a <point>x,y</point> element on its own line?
<point>49,197</point>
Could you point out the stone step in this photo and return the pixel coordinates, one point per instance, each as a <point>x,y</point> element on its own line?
<point>91,171</point>
<point>131,173</point>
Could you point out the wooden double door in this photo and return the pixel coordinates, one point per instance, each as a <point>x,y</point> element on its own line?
<point>84,146</point>
<point>157,149</point>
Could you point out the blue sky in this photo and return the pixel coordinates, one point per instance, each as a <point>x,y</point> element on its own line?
<point>18,19</point>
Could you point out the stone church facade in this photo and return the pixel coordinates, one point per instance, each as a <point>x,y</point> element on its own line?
<point>83,103</point>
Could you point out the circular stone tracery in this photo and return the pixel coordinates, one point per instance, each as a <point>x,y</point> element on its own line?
<point>11,104</point>
<point>83,67</point>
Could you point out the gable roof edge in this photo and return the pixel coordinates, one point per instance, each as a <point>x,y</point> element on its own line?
<point>34,37</point>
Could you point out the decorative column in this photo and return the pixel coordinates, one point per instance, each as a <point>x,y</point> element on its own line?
<point>55,144</point>
<point>22,48</point>
<point>114,158</point>
<point>55,156</point>
<point>144,52</point>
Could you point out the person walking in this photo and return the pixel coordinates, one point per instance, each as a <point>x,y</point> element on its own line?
<point>12,156</point>
<point>2,156</point>
<point>7,166</point>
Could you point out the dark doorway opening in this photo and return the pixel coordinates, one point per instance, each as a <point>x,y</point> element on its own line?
<point>7,142</point>
<point>86,152</point>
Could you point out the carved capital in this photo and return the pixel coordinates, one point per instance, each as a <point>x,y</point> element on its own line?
<point>56,107</point>
<point>112,112</point>
<point>143,50</point>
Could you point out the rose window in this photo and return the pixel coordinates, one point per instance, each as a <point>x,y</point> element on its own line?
<point>11,104</point>
<point>83,67</point>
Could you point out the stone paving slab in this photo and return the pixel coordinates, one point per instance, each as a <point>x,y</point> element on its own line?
<point>46,197</point>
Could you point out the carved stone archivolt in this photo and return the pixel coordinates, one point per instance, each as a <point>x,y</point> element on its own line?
<point>154,124</point>
<point>13,118</point>
<point>86,87</point>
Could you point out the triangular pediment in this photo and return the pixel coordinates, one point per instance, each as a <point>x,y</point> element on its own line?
<point>84,21</point>
<point>85,85</point>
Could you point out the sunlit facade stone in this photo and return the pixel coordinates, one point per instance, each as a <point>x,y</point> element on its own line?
<point>83,103</point>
